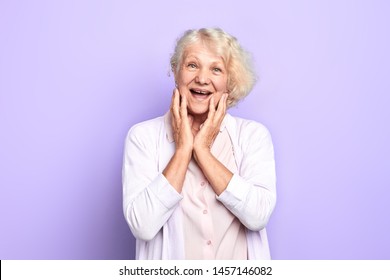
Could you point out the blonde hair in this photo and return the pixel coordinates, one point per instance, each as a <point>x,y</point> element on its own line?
<point>241,75</point>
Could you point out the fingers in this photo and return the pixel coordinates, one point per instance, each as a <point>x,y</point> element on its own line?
<point>179,105</point>
<point>217,115</point>
<point>222,104</point>
<point>175,104</point>
<point>183,107</point>
<point>210,115</point>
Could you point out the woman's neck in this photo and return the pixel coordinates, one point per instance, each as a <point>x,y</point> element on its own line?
<point>198,121</point>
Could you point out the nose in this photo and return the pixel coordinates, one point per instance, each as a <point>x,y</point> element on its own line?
<point>202,77</point>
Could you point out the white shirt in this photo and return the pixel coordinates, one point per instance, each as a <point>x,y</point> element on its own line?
<point>152,206</point>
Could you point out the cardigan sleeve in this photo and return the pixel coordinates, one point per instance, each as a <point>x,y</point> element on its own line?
<point>251,193</point>
<point>148,198</point>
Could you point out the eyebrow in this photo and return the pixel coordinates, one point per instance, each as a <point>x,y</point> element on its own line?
<point>190,57</point>
<point>220,61</point>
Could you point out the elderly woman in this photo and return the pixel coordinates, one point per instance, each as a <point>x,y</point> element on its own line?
<point>199,183</point>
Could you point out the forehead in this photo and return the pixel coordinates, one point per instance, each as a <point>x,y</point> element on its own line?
<point>202,51</point>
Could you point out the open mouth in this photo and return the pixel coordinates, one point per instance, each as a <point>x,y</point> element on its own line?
<point>198,92</point>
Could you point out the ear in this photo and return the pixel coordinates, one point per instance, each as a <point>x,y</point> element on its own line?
<point>173,69</point>
<point>230,100</point>
<point>174,76</point>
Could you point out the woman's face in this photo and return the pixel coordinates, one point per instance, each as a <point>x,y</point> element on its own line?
<point>202,74</point>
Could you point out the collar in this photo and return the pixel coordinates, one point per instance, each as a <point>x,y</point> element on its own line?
<point>168,126</point>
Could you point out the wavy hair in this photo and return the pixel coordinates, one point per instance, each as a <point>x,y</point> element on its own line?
<point>241,74</point>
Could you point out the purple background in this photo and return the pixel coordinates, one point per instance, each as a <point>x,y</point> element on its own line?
<point>76,75</point>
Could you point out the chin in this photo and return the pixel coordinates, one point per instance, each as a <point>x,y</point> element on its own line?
<point>198,110</point>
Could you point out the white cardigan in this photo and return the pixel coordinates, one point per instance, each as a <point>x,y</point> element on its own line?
<point>152,206</point>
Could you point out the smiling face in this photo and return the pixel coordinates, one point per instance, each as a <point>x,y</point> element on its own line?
<point>201,75</point>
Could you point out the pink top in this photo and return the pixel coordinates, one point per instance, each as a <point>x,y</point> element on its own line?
<point>211,231</point>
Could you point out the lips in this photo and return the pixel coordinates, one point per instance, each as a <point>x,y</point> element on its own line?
<point>200,92</point>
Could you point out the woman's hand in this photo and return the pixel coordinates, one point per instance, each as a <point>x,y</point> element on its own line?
<point>210,128</point>
<point>215,172</point>
<point>181,123</point>
<point>176,169</point>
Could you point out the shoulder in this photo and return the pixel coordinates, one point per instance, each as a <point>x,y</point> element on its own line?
<point>249,137</point>
<point>148,129</point>
<point>245,129</point>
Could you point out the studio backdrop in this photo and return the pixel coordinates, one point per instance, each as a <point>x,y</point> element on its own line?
<point>76,75</point>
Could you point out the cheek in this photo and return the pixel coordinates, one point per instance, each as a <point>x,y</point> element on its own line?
<point>222,85</point>
<point>182,79</point>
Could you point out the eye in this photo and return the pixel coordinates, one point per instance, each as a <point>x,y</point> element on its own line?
<point>217,70</point>
<point>191,65</point>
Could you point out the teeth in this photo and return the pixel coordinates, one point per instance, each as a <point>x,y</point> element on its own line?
<point>201,92</point>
